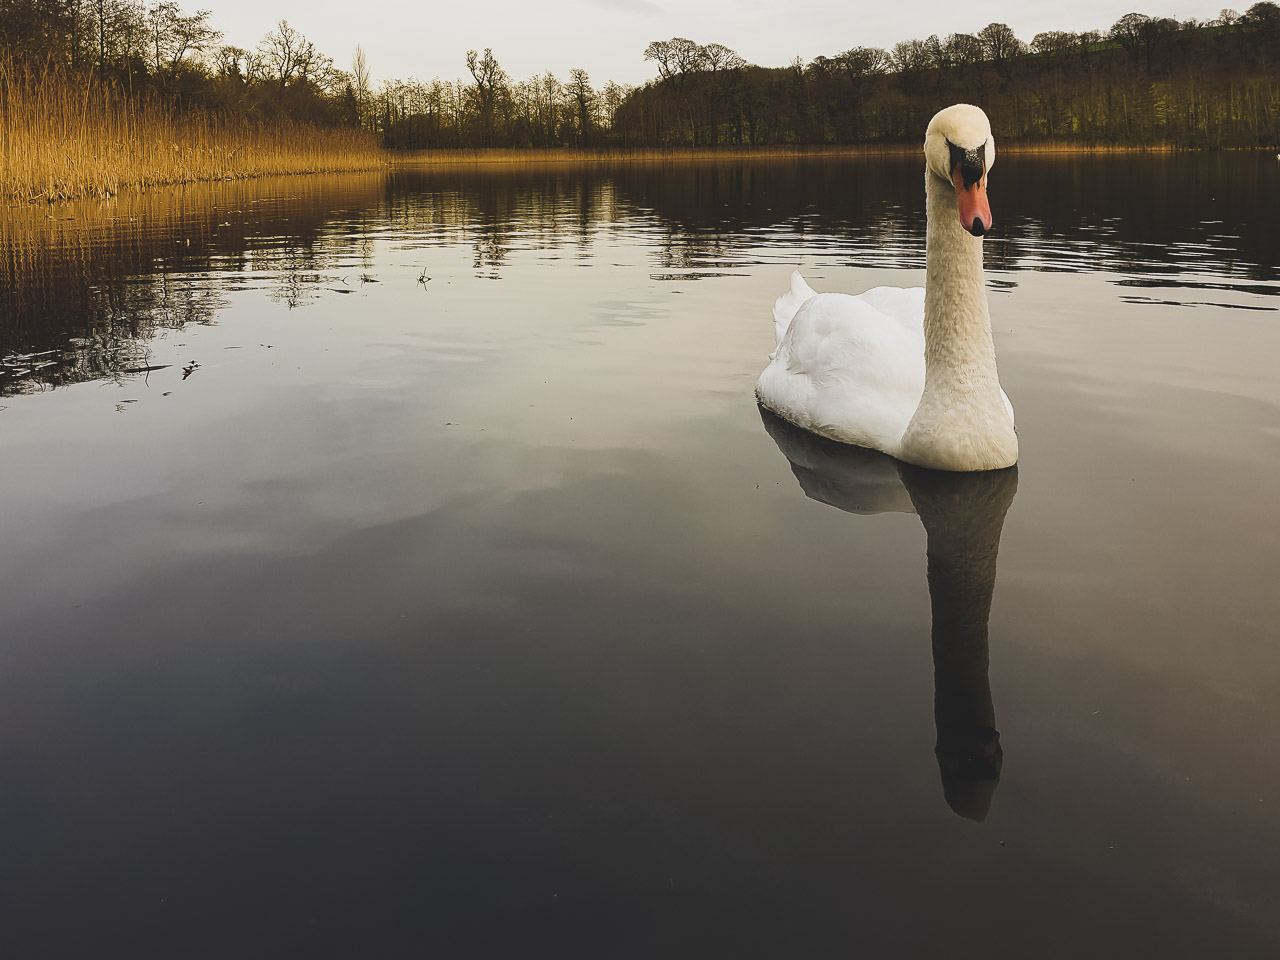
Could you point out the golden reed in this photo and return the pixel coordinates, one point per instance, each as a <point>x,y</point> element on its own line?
<point>63,138</point>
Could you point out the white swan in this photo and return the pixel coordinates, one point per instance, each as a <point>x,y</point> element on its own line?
<point>909,372</point>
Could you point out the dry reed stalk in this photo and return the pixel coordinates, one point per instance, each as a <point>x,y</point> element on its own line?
<point>63,138</point>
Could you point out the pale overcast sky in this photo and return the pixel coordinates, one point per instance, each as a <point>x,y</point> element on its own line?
<point>607,37</point>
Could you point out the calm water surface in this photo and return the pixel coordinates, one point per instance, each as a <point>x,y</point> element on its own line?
<point>401,564</point>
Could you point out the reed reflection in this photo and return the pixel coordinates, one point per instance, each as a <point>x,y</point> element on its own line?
<point>963,516</point>
<point>83,292</point>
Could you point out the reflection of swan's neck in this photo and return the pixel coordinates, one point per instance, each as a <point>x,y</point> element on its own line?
<point>961,422</point>
<point>963,518</point>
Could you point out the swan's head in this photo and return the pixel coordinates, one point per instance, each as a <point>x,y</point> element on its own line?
<point>958,147</point>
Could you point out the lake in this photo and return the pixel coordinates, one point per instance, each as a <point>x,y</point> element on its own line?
<point>399,564</point>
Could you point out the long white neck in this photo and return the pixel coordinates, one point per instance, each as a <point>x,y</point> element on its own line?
<point>961,422</point>
<point>957,324</point>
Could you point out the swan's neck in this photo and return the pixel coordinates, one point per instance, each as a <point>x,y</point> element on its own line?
<point>957,324</point>
<point>961,423</point>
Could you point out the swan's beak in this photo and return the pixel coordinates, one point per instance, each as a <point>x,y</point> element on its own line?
<point>975,212</point>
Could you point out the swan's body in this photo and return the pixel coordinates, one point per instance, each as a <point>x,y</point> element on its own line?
<point>909,372</point>
<point>850,368</point>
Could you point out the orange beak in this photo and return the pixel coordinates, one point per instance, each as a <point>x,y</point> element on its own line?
<point>975,212</point>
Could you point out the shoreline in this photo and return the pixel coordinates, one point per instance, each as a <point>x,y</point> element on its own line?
<point>104,184</point>
<point>568,155</point>
<point>391,161</point>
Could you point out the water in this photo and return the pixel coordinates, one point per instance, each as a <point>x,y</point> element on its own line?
<point>401,564</point>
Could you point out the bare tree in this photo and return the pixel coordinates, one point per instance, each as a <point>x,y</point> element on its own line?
<point>172,36</point>
<point>722,65</point>
<point>1086,43</point>
<point>583,98</point>
<point>936,53</point>
<point>360,82</point>
<point>489,78</point>
<point>549,95</point>
<point>1001,45</point>
<point>910,58</point>
<point>859,65</point>
<point>285,54</point>
<point>716,57</point>
<point>1053,43</point>
<point>967,55</point>
<point>676,58</point>
<point>964,49</point>
<point>1129,31</point>
<point>612,97</point>
<point>112,25</point>
<point>1141,36</point>
<point>231,62</point>
<point>1264,17</point>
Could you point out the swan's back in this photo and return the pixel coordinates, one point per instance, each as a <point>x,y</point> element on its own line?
<point>848,368</point>
<point>902,304</point>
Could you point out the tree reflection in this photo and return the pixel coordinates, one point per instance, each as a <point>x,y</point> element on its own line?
<point>105,279</point>
<point>963,516</point>
<point>1066,212</point>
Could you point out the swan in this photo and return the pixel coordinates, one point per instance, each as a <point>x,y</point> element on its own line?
<point>908,372</point>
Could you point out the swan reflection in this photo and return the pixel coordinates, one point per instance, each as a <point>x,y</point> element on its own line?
<point>963,515</point>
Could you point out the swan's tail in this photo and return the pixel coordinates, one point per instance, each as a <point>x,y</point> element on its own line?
<point>785,307</point>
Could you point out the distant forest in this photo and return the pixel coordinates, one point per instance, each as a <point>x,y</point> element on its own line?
<point>1145,80</point>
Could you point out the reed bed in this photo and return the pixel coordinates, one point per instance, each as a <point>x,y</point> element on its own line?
<point>62,138</point>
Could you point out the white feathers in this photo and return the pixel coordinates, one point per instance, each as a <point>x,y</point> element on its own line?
<point>849,368</point>
<point>785,307</point>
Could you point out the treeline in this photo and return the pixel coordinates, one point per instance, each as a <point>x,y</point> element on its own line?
<point>1145,80</point>
<point>491,109</point>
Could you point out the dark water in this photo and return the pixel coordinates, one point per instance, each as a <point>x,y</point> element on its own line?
<point>400,565</point>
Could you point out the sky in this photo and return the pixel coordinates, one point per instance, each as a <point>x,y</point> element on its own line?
<point>607,37</point>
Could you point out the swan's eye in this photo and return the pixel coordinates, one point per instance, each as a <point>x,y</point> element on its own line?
<point>970,164</point>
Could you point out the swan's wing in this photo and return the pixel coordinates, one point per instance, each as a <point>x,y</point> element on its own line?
<point>905,305</point>
<point>847,371</point>
<point>785,307</point>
